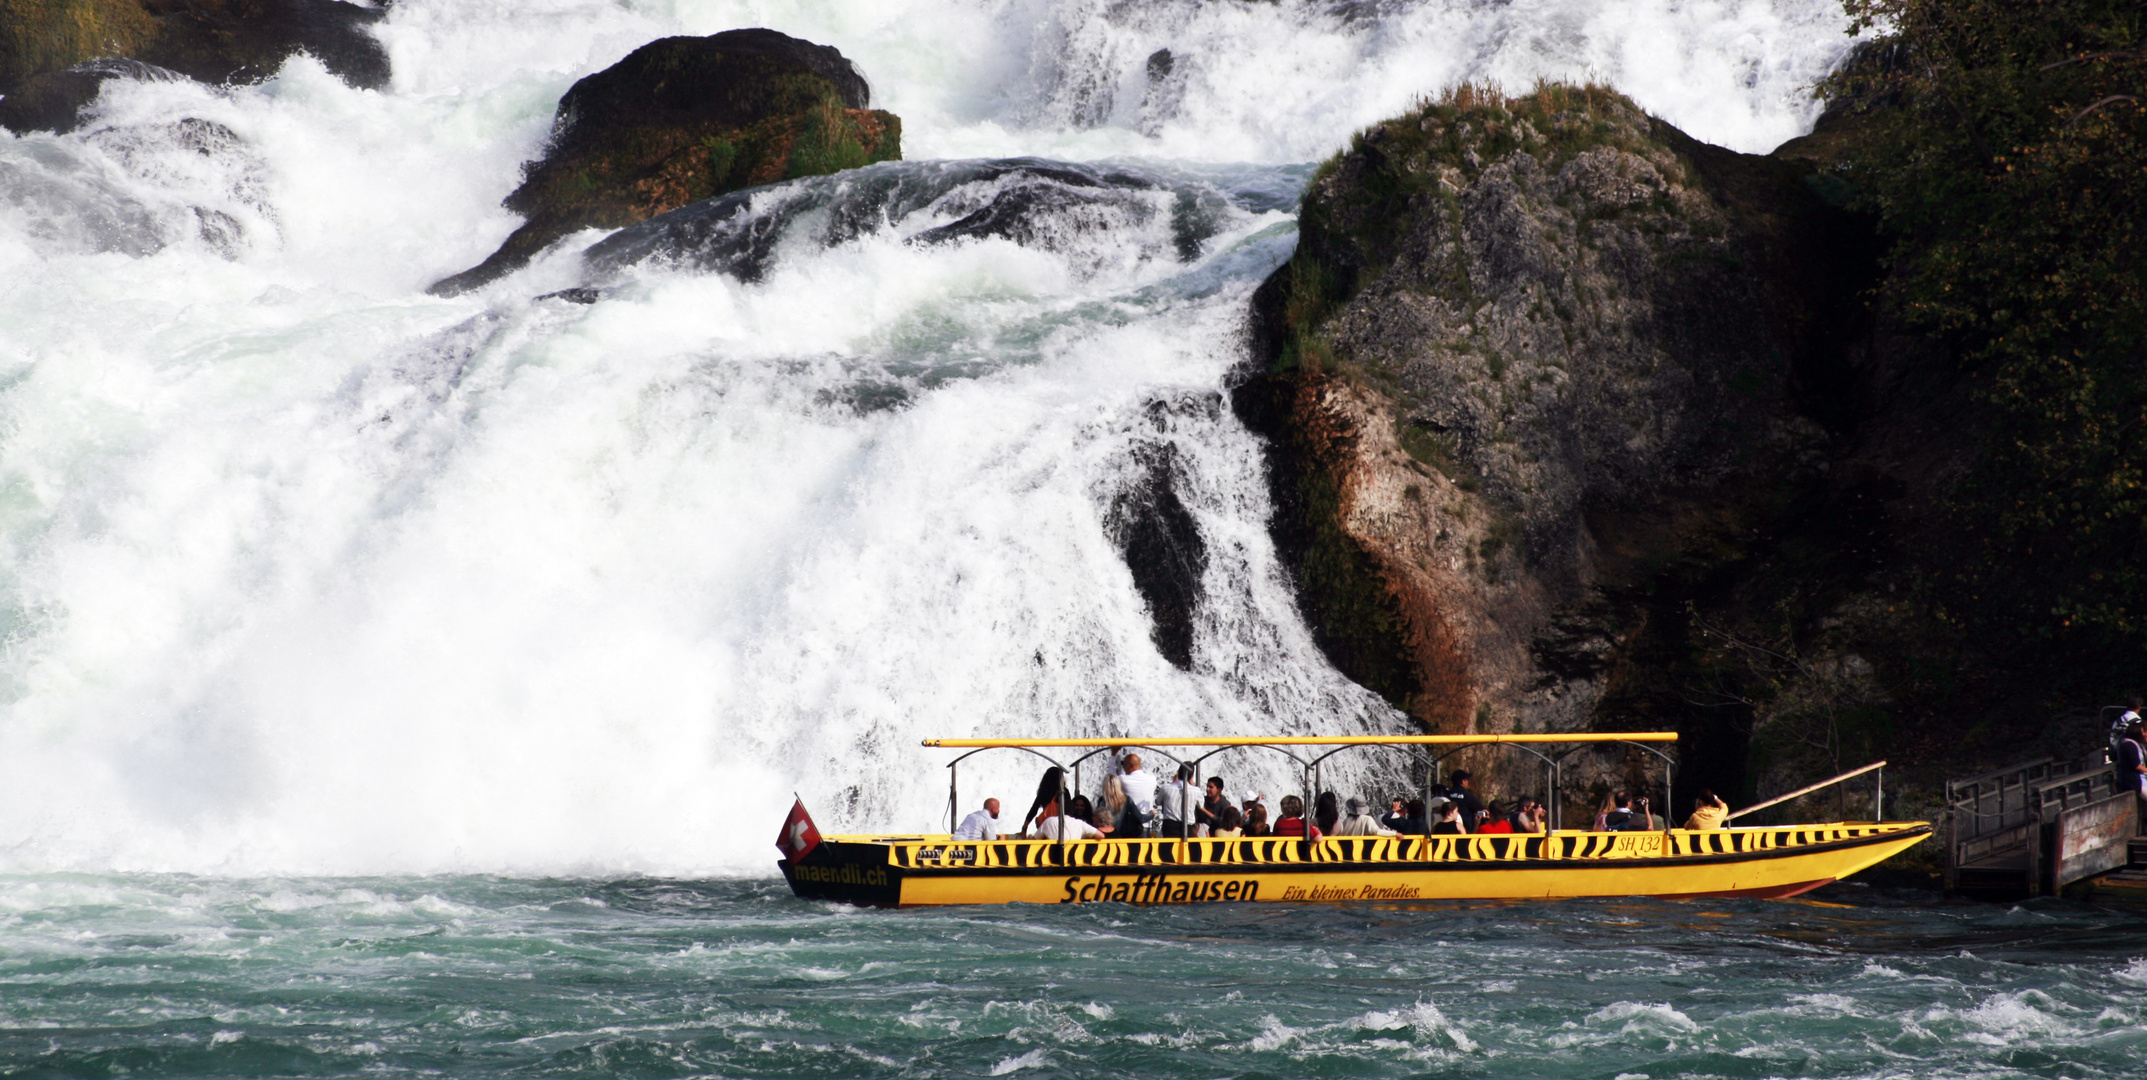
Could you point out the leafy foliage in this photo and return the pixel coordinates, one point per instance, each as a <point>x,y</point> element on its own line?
<point>2001,146</point>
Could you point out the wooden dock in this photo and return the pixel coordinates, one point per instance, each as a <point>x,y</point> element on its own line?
<point>2034,828</point>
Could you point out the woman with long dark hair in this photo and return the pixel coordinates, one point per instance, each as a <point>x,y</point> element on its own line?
<point>1047,789</point>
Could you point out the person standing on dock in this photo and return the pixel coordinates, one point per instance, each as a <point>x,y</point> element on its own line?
<point>2132,764</point>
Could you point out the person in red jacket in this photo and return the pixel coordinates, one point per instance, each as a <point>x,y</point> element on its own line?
<point>1292,822</point>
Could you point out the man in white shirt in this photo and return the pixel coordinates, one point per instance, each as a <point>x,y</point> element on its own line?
<point>1048,827</point>
<point>982,825</point>
<point>1140,788</point>
<point>1175,803</point>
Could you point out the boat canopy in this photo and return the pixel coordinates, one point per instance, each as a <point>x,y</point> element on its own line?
<point>1318,740</point>
<point>1281,744</point>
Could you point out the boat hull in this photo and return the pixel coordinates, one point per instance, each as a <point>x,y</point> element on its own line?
<point>931,871</point>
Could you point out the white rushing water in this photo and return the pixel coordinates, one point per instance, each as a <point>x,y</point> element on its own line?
<point>303,570</point>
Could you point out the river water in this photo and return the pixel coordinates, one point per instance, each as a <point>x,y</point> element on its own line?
<point>481,976</point>
<point>397,684</point>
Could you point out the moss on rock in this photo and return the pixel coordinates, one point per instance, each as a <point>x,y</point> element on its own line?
<point>215,41</point>
<point>685,119</point>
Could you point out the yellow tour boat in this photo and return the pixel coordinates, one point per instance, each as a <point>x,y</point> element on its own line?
<point>1672,863</point>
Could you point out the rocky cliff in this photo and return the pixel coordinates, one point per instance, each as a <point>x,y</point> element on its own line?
<point>1543,373</point>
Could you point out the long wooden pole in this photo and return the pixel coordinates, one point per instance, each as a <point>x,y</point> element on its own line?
<point>1806,790</point>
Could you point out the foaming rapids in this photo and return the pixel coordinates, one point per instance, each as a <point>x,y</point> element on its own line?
<point>302,570</point>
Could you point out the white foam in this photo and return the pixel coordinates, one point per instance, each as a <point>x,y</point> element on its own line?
<point>304,571</point>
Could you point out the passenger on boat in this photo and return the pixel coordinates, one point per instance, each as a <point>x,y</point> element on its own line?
<point>1050,823</point>
<point>1326,811</point>
<point>982,825</point>
<point>1256,819</point>
<point>1708,812</point>
<point>1084,810</point>
<point>1292,822</point>
<point>1209,813</point>
<point>1397,813</point>
<point>1229,824</point>
<point>1359,821</point>
<point>1630,815</point>
<point>1530,817</point>
<point>1445,817</point>
<point>1602,816</point>
<point>1470,808</point>
<point>1174,803</point>
<point>1140,790</point>
<point>1413,821</point>
<point>1497,820</point>
<point>1047,789</point>
<point>1113,807</point>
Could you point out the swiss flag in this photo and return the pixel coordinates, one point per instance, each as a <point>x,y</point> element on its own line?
<point>799,836</point>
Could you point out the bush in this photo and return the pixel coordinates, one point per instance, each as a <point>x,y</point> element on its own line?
<point>2000,145</point>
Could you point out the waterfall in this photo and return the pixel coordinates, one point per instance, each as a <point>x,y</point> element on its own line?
<point>304,570</point>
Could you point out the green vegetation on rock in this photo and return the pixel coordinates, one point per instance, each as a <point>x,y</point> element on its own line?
<point>684,119</point>
<point>215,41</point>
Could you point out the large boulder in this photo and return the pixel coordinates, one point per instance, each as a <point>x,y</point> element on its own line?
<point>1538,364</point>
<point>685,119</point>
<point>215,41</point>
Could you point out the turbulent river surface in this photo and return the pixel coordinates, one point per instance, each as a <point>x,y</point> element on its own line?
<point>352,639</point>
<point>477,976</point>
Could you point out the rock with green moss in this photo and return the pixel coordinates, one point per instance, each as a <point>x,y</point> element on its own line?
<point>685,119</point>
<point>215,41</point>
<point>1530,350</point>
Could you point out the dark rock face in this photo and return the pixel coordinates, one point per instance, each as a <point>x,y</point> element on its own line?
<point>685,119</point>
<point>215,41</point>
<point>222,41</point>
<point>1163,549</point>
<point>53,100</point>
<point>1532,355</point>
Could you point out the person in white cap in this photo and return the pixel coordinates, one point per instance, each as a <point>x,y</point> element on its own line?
<point>2132,761</point>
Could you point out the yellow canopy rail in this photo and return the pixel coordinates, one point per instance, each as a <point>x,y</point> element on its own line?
<point>1317,740</point>
<point>1279,743</point>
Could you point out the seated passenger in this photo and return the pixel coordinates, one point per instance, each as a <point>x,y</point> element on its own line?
<point>1050,823</point>
<point>1256,820</point>
<point>1210,811</point>
<point>1602,816</point>
<point>1358,822</point>
<point>1397,813</point>
<point>1629,815</point>
<point>1229,824</point>
<point>1499,820</point>
<point>1445,817</point>
<point>1708,812</point>
<point>1292,822</point>
<point>1530,817</point>
<point>982,825</point>
<point>1326,812</point>
<point>1413,821</point>
<point>1086,811</point>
